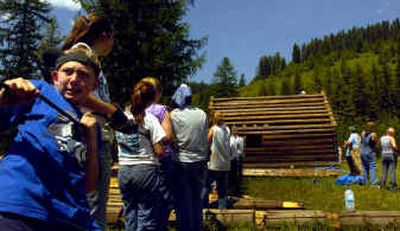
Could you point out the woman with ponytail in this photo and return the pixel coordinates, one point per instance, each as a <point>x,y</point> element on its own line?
<point>138,153</point>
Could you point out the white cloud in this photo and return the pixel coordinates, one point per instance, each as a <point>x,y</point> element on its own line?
<point>67,4</point>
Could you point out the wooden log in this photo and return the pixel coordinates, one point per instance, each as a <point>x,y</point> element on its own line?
<point>287,164</point>
<point>277,117</point>
<point>283,97</point>
<point>286,128</point>
<point>294,131</point>
<point>248,106</point>
<point>272,143</point>
<point>282,121</point>
<point>311,148</point>
<point>287,108</point>
<point>271,101</point>
<point>301,136</point>
<point>272,112</point>
<point>300,218</point>
<point>276,159</point>
<point>280,172</point>
<point>370,218</point>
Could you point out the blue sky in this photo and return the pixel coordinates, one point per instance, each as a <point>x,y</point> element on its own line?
<point>244,30</point>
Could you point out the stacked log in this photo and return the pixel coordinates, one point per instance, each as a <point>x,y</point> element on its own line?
<point>282,131</point>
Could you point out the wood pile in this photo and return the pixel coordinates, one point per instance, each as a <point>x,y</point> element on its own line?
<point>282,131</point>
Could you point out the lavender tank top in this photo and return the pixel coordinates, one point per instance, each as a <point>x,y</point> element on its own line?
<point>159,112</point>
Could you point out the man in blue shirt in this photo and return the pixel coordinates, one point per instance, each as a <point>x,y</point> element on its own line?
<point>52,164</point>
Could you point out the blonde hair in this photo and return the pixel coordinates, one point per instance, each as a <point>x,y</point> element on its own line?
<point>390,130</point>
<point>235,131</point>
<point>153,81</point>
<point>218,118</point>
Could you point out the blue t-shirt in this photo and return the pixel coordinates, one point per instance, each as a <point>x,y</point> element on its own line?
<point>42,173</point>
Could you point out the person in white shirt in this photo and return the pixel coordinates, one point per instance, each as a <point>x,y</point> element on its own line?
<point>352,151</point>
<point>219,165</point>
<point>190,125</point>
<point>237,147</point>
<point>139,174</point>
<point>389,158</point>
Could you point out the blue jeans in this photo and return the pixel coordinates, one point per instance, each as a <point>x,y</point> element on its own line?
<point>388,166</point>
<point>139,186</point>
<point>221,178</point>
<point>369,165</point>
<point>188,185</point>
<point>166,188</point>
<point>98,202</point>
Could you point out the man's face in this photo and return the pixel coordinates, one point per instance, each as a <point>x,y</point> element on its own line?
<point>75,81</point>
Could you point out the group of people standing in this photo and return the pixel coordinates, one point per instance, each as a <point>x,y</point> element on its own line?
<point>172,159</point>
<point>56,174</point>
<point>361,155</point>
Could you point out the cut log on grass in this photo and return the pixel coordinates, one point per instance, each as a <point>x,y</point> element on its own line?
<point>302,172</point>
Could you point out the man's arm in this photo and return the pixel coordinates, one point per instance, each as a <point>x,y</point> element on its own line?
<point>91,169</point>
<point>17,92</point>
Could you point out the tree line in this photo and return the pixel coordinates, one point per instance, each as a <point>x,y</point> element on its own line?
<point>358,69</point>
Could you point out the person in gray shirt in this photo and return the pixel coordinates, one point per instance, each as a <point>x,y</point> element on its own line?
<point>190,126</point>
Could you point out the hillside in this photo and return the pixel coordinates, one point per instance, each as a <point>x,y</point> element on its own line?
<point>358,69</point>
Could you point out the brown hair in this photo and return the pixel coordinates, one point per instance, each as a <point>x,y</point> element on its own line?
<point>143,95</point>
<point>88,29</point>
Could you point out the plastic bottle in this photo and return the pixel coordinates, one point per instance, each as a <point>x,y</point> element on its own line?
<point>349,200</point>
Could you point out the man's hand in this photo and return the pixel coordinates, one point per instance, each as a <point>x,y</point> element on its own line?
<point>89,121</point>
<point>18,91</point>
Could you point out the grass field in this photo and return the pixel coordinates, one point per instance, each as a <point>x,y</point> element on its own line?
<point>322,193</point>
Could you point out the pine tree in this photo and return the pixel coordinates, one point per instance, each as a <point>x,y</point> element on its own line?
<point>225,79</point>
<point>296,55</point>
<point>264,67</point>
<point>359,95</point>
<point>21,24</point>
<point>297,86</point>
<point>242,81</point>
<point>286,86</point>
<point>374,90</point>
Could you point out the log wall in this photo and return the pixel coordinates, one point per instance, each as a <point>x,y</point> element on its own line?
<point>282,131</point>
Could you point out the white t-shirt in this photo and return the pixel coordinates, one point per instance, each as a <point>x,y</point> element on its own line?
<point>190,127</point>
<point>237,144</point>
<point>137,148</point>
<point>220,159</point>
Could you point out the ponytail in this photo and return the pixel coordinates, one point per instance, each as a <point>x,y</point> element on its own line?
<point>143,96</point>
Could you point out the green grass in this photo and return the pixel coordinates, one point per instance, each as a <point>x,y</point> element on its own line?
<point>317,194</point>
<point>322,193</point>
